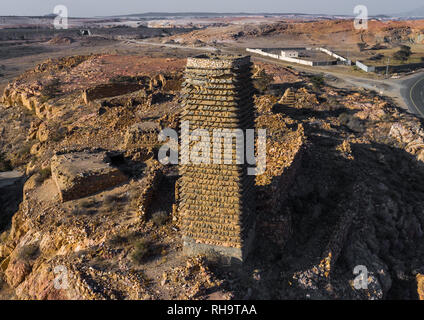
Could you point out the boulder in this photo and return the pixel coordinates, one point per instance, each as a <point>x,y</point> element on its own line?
<point>17,271</point>
<point>43,133</point>
<point>31,168</point>
<point>31,183</point>
<point>35,149</point>
<point>80,174</point>
<point>407,132</point>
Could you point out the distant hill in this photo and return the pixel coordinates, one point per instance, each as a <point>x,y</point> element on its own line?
<point>216,14</point>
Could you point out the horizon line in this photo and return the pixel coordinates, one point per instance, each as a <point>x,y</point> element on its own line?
<point>206,13</point>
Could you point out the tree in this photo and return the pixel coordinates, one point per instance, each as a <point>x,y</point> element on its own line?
<point>361,46</point>
<point>405,48</point>
<point>400,55</point>
<point>403,54</point>
<point>317,80</point>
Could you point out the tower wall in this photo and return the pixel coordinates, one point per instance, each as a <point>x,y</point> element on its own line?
<point>217,201</point>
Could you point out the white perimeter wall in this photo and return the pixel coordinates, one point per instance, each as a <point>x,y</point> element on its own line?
<point>364,67</point>
<point>276,56</point>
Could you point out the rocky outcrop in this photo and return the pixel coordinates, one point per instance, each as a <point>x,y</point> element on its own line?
<point>285,149</point>
<point>40,263</point>
<point>79,174</point>
<point>411,135</point>
<point>30,98</point>
<point>60,40</point>
<point>33,91</point>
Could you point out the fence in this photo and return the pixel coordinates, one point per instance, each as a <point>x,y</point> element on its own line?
<point>335,55</point>
<point>364,67</point>
<point>301,61</point>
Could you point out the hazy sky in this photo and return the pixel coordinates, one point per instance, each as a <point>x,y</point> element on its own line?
<point>84,8</point>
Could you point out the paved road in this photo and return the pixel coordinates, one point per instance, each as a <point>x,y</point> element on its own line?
<point>413,93</point>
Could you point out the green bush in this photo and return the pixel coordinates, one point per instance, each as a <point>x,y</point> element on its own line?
<point>29,252</point>
<point>118,240</point>
<point>88,203</point>
<point>317,80</point>
<point>112,199</point>
<point>160,218</point>
<point>123,238</point>
<point>58,135</point>
<point>50,90</point>
<point>23,155</point>
<point>403,54</point>
<point>262,81</point>
<point>361,46</point>
<point>44,174</point>
<point>405,48</point>
<point>76,211</point>
<point>344,118</point>
<point>87,206</point>
<point>352,122</point>
<point>141,251</point>
<point>26,148</point>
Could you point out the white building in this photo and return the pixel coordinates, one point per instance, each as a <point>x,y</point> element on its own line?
<point>289,54</point>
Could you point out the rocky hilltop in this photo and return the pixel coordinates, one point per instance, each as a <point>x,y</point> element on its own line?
<point>97,218</point>
<point>325,31</point>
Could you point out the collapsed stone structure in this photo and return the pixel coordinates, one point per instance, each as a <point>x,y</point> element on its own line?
<point>217,200</point>
<point>78,174</point>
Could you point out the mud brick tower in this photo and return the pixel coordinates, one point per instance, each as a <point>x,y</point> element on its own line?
<point>217,201</point>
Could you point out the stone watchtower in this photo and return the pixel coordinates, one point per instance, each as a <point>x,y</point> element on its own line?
<point>217,201</point>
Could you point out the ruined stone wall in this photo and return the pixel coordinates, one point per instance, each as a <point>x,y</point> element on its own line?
<point>109,90</point>
<point>153,178</point>
<point>217,200</point>
<point>144,135</point>
<point>80,174</point>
